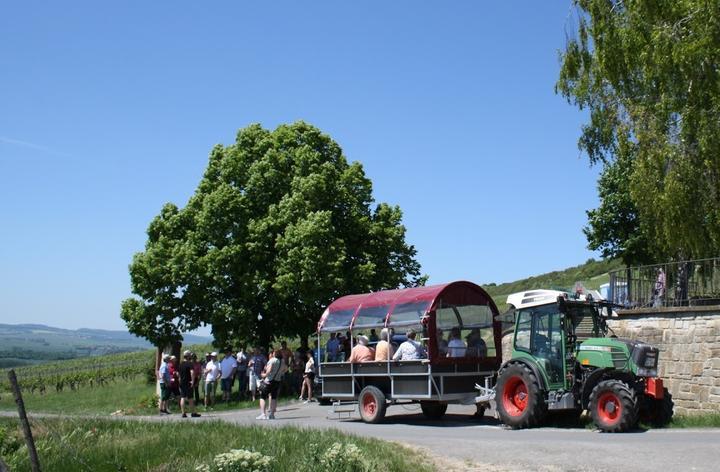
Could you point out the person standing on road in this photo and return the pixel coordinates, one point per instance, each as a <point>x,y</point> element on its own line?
<point>242,371</point>
<point>212,372</point>
<point>271,376</point>
<point>164,381</point>
<point>187,381</point>
<point>256,366</point>
<point>228,367</point>
<point>198,370</point>
<point>308,378</point>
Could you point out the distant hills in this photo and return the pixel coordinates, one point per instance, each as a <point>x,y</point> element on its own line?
<point>592,274</point>
<point>24,344</point>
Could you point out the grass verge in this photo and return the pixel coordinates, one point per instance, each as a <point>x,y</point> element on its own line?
<point>106,445</point>
<point>708,420</point>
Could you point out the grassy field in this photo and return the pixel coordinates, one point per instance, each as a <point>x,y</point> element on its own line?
<point>135,397</point>
<point>104,445</point>
<point>132,396</point>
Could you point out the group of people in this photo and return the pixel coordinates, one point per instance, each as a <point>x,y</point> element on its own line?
<point>282,371</point>
<point>338,350</point>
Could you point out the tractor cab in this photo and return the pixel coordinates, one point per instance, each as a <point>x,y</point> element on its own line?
<point>563,360</point>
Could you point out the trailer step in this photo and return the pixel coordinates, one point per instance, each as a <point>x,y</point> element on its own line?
<point>343,410</point>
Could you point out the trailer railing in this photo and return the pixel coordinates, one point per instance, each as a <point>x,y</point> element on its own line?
<point>673,284</point>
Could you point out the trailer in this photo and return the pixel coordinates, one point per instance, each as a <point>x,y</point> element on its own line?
<point>462,375</point>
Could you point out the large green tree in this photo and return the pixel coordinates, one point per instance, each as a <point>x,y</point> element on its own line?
<point>279,226</point>
<point>649,74</point>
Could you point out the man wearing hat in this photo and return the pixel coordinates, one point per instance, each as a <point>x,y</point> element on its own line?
<point>361,352</point>
<point>410,349</point>
<point>164,381</point>
<point>187,381</point>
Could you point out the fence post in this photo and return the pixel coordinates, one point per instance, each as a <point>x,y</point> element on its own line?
<point>34,461</point>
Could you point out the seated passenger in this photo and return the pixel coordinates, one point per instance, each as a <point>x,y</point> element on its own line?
<point>410,349</point>
<point>361,352</point>
<point>442,344</point>
<point>383,350</point>
<point>456,346</point>
<point>475,343</point>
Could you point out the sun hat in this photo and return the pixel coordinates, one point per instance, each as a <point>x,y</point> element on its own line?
<point>213,354</point>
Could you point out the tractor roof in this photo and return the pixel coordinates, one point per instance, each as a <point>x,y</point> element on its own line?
<point>534,298</point>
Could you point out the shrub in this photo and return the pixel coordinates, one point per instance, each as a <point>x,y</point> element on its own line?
<point>238,460</point>
<point>344,458</point>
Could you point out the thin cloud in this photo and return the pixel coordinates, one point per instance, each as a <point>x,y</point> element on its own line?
<point>37,147</point>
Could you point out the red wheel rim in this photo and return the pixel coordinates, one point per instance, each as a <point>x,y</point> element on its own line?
<point>515,396</point>
<point>609,408</point>
<point>369,405</point>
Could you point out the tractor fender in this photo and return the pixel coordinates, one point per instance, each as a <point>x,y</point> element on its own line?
<point>589,385</point>
<point>530,365</point>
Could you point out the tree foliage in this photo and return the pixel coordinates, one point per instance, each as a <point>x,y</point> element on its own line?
<point>648,72</point>
<point>279,226</point>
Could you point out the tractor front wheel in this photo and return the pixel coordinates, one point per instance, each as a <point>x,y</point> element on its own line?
<point>372,404</point>
<point>614,406</point>
<point>520,402</point>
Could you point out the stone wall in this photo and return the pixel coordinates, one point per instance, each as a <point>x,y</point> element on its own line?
<point>689,342</point>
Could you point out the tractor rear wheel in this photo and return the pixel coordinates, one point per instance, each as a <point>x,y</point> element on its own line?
<point>520,400</point>
<point>614,406</point>
<point>372,404</point>
<point>658,412</point>
<point>433,410</point>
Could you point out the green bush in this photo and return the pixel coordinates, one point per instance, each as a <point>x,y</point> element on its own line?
<point>238,460</point>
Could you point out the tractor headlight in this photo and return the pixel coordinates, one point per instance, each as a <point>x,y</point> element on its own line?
<point>643,372</point>
<point>650,361</point>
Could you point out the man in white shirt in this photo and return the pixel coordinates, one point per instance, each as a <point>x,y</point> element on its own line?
<point>410,349</point>
<point>228,367</point>
<point>456,346</point>
<point>212,372</point>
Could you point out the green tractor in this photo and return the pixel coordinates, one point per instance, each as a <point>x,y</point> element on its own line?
<point>563,362</point>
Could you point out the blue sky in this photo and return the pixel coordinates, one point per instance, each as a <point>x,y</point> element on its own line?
<point>109,109</point>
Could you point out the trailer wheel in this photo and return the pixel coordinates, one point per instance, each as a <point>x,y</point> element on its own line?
<point>520,402</point>
<point>613,406</point>
<point>433,410</point>
<point>372,404</point>
<point>658,412</point>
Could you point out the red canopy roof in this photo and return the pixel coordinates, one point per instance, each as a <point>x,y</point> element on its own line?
<point>461,292</point>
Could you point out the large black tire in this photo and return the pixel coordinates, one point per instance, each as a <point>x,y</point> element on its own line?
<point>372,404</point>
<point>614,406</point>
<point>520,400</point>
<point>658,413</point>
<point>433,410</point>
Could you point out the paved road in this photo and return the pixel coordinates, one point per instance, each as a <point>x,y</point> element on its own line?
<point>484,445</point>
<point>489,446</point>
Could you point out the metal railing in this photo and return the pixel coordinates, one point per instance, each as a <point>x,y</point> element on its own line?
<point>686,283</point>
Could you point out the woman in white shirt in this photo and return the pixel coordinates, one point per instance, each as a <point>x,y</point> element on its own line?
<point>308,378</point>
